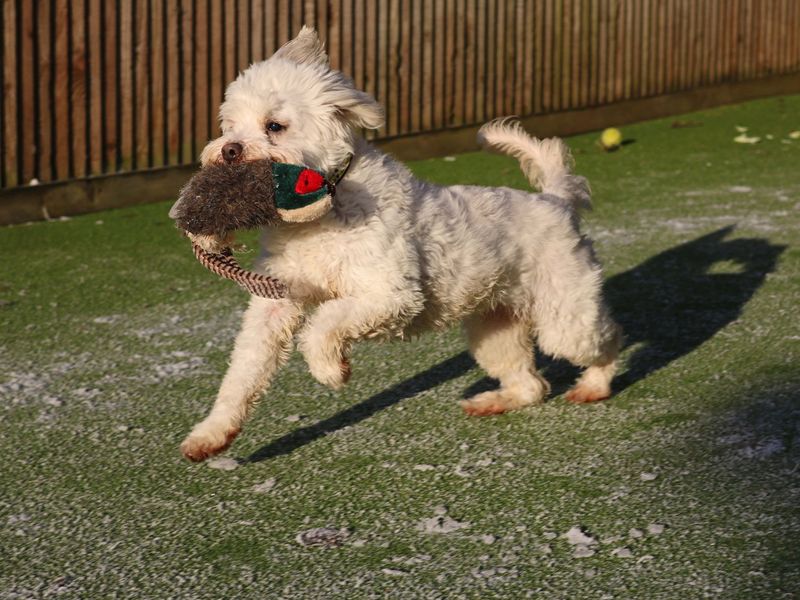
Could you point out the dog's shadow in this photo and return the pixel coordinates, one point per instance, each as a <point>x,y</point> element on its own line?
<point>668,306</point>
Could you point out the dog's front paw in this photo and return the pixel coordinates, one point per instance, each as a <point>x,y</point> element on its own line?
<point>326,360</point>
<point>206,441</point>
<point>331,373</point>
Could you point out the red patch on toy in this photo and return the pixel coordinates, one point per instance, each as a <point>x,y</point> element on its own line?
<point>308,181</point>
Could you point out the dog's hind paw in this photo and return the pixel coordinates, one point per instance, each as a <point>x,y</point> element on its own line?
<point>489,403</point>
<point>201,445</point>
<point>581,394</point>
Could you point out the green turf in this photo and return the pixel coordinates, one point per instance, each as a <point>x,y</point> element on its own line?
<point>114,340</point>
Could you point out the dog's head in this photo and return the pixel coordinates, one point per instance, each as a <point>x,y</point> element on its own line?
<point>292,108</point>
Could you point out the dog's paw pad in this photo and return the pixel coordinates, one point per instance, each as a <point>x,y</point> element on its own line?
<point>585,394</point>
<point>486,404</point>
<point>197,448</point>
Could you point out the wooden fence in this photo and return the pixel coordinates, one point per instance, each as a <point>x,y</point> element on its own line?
<point>95,87</point>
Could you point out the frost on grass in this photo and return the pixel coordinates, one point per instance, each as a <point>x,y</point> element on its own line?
<point>223,464</point>
<point>576,535</point>
<point>763,449</point>
<point>441,522</point>
<point>582,551</point>
<point>635,533</point>
<point>327,537</point>
<point>263,488</point>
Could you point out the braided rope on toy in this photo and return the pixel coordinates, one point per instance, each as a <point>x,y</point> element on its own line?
<point>225,265</point>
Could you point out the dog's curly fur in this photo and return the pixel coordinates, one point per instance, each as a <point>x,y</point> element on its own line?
<point>396,256</point>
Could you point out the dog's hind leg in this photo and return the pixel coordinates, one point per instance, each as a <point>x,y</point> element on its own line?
<point>595,382</point>
<point>587,337</point>
<point>503,345</point>
<point>262,347</point>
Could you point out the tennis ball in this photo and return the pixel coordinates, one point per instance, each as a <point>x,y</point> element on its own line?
<point>611,139</point>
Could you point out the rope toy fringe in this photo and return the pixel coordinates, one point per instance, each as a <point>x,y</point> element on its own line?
<point>225,265</point>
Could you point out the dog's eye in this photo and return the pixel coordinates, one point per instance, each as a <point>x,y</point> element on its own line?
<point>274,127</point>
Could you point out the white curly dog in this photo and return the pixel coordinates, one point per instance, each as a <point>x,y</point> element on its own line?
<point>395,256</point>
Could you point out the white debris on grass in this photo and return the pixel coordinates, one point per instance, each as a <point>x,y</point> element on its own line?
<point>107,319</point>
<point>223,463</point>
<point>743,138</point>
<point>582,551</point>
<point>488,539</point>
<point>648,476</point>
<point>461,471</point>
<point>622,552</point>
<point>740,189</point>
<point>266,487</point>
<point>174,369</point>
<point>763,449</point>
<point>328,537</point>
<point>655,528</point>
<point>424,467</point>
<point>294,418</point>
<point>441,523</point>
<point>635,533</point>
<point>576,535</point>
<point>20,518</point>
<point>645,558</point>
<point>449,159</point>
<point>394,572</point>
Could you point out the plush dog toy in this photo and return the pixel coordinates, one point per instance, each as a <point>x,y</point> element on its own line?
<point>224,198</point>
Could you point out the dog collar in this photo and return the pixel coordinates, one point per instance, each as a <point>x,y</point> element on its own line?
<point>297,186</point>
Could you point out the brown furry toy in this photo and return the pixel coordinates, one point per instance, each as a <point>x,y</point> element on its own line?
<point>224,198</point>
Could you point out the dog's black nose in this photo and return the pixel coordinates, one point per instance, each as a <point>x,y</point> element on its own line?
<point>232,151</point>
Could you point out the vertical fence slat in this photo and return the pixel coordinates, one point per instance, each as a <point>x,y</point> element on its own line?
<point>382,83</point>
<point>77,91</point>
<point>44,100</point>
<point>566,54</point>
<point>393,65</point>
<point>471,63</point>
<point>427,65</point>
<point>27,77</point>
<point>96,113</point>
<point>10,91</point>
<point>156,71</point>
<point>454,65</point>
<point>439,67</point>
<point>126,90</point>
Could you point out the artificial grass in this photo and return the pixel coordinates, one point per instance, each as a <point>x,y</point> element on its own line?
<point>114,341</point>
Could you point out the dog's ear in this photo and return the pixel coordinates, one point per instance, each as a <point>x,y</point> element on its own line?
<point>304,49</point>
<point>359,109</point>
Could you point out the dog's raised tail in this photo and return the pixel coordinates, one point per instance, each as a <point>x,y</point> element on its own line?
<point>546,163</point>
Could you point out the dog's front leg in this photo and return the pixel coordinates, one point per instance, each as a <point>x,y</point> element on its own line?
<point>325,341</point>
<point>262,347</point>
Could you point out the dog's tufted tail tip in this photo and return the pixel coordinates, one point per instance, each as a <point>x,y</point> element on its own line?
<point>545,162</point>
